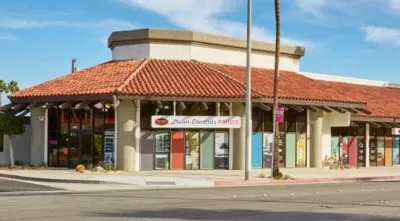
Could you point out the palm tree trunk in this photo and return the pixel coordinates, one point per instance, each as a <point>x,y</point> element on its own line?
<point>275,166</point>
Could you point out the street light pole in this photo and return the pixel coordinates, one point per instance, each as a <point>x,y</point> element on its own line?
<point>247,165</point>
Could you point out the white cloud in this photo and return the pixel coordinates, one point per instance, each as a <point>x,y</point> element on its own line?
<point>394,4</point>
<point>313,7</point>
<point>206,16</point>
<point>382,35</point>
<point>25,23</point>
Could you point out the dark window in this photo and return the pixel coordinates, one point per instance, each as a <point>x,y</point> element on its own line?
<point>76,119</point>
<point>53,118</point>
<point>380,132</point>
<point>110,119</point>
<point>361,130</point>
<point>301,123</point>
<point>388,132</point>
<point>98,119</point>
<point>64,118</point>
<point>335,131</point>
<point>268,126</point>
<point>1,143</point>
<point>257,121</point>
<point>224,109</point>
<point>290,121</point>
<point>87,119</point>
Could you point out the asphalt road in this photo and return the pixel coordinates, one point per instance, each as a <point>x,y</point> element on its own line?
<point>355,201</point>
<point>8,185</point>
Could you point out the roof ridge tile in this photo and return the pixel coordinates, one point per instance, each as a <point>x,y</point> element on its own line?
<point>132,75</point>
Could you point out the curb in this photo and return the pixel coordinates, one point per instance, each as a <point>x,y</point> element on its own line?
<point>48,180</point>
<point>271,182</point>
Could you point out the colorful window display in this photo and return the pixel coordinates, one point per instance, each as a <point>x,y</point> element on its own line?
<point>348,145</point>
<point>221,150</point>
<point>292,139</point>
<point>396,150</point>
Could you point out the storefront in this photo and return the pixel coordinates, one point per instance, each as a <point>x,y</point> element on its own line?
<point>115,112</point>
<point>292,138</point>
<point>80,136</point>
<point>175,147</point>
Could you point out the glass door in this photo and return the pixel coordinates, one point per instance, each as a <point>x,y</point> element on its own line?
<point>74,150</point>
<point>63,149</point>
<point>87,143</point>
<point>162,149</point>
<point>192,150</point>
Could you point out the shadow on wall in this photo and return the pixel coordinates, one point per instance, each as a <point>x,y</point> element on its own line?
<point>202,214</point>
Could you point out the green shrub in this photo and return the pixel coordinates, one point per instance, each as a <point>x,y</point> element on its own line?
<point>19,163</point>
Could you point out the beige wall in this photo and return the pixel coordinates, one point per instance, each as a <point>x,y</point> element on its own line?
<point>239,137</point>
<point>321,124</point>
<point>37,136</point>
<point>21,145</point>
<point>126,141</point>
<point>202,53</point>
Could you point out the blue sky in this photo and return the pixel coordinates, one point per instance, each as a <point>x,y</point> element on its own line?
<point>359,38</point>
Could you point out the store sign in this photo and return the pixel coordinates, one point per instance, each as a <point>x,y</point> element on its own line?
<point>280,115</point>
<point>195,122</point>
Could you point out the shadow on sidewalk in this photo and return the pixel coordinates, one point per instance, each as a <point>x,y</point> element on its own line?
<point>235,214</point>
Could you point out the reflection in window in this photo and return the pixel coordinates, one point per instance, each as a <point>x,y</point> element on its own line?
<point>64,117</point>
<point>110,119</point>
<point>162,148</point>
<point>75,119</point>
<point>87,119</point>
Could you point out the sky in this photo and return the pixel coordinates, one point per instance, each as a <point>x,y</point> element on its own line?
<point>357,38</point>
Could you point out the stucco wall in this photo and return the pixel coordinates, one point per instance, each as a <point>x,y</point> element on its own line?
<point>126,138</point>
<point>37,136</point>
<point>321,124</point>
<point>21,145</point>
<point>202,53</point>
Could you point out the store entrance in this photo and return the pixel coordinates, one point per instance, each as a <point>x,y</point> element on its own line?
<point>188,149</point>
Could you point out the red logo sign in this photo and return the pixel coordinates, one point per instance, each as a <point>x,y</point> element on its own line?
<point>161,121</point>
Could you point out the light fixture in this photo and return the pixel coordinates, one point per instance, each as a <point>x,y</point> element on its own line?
<point>182,105</point>
<point>204,105</point>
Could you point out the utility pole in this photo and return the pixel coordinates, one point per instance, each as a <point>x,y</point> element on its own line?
<point>247,165</point>
<point>275,153</point>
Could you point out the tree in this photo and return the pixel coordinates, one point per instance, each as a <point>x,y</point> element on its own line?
<point>11,126</point>
<point>3,89</point>
<point>275,165</point>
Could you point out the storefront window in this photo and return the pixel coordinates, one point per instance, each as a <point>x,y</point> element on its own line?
<point>64,117</point>
<point>87,119</point>
<point>98,150</point>
<point>258,119</point>
<point>224,109</point>
<point>76,141</point>
<point>150,108</point>
<point>196,108</point>
<point>110,119</point>
<point>192,150</point>
<point>162,149</point>
<point>221,150</point>
<point>98,119</point>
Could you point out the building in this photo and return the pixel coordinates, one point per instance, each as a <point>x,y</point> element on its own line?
<point>175,100</point>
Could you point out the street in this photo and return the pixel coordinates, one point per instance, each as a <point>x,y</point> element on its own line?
<point>351,201</point>
<point>9,185</point>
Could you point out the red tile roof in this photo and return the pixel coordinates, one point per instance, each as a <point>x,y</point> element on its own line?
<point>98,80</point>
<point>173,78</point>
<point>382,102</point>
<point>291,85</point>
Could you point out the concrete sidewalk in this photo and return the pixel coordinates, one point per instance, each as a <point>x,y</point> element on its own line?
<point>71,180</point>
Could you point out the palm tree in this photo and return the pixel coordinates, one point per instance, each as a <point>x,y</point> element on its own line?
<point>275,165</point>
<point>3,89</point>
<point>13,87</point>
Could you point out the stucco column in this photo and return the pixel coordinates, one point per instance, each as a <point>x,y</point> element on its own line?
<point>38,135</point>
<point>367,128</point>
<point>317,139</point>
<point>126,136</point>
<point>239,137</point>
